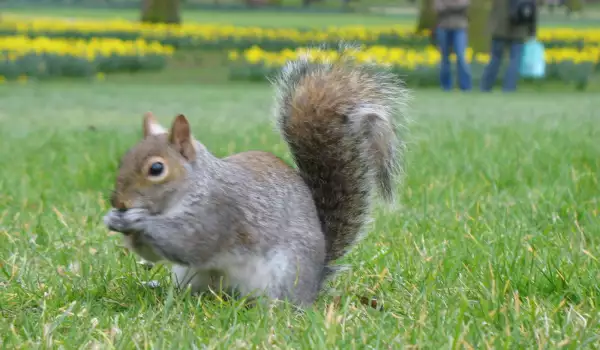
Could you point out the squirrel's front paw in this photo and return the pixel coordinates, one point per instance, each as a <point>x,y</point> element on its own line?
<point>126,222</point>
<point>135,219</point>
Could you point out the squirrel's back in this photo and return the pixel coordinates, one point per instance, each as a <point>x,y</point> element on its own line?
<point>340,120</point>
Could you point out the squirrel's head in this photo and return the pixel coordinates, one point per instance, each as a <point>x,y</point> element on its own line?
<point>152,171</point>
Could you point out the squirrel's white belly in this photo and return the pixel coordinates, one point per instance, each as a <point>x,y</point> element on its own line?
<point>246,273</point>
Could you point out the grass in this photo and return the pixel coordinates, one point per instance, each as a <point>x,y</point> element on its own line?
<point>495,244</point>
<point>280,19</point>
<point>240,18</point>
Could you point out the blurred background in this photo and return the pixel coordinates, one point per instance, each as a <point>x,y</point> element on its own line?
<point>227,40</point>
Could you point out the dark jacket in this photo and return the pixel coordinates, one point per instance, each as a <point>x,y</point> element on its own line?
<point>500,26</point>
<point>452,14</point>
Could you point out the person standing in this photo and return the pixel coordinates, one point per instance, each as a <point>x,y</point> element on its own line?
<point>451,34</point>
<point>511,23</point>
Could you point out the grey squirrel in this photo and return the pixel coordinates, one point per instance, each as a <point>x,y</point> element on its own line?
<point>250,222</point>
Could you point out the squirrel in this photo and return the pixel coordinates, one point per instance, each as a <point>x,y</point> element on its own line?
<point>249,221</point>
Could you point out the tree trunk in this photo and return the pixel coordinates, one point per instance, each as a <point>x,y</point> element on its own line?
<point>479,35</point>
<point>427,17</point>
<point>161,11</point>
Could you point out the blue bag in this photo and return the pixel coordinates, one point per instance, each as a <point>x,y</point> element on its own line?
<point>533,64</point>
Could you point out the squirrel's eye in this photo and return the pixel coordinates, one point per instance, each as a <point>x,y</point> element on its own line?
<point>156,169</point>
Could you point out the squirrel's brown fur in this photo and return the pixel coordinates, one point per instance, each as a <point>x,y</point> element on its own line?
<point>338,120</point>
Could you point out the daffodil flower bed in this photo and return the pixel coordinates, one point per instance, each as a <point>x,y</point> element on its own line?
<point>193,35</point>
<point>42,57</point>
<point>211,36</point>
<point>416,67</point>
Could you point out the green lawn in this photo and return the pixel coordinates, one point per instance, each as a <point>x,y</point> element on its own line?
<point>495,244</point>
<point>257,18</point>
<point>283,19</point>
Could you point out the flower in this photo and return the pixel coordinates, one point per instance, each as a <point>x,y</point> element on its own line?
<point>199,34</point>
<point>26,57</point>
<point>404,57</point>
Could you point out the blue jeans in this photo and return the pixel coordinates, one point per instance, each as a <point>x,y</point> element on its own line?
<point>511,76</point>
<point>456,39</point>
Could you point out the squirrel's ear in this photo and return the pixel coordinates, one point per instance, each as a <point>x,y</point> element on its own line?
<point>151,126</point>
<point>181,137</point>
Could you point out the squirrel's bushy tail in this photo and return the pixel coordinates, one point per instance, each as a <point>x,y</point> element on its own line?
<point>340,120</point>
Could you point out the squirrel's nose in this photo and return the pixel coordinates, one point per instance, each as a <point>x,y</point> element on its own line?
<point>118,203</point>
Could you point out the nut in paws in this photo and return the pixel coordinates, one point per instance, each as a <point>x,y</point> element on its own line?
<point>126,222</point>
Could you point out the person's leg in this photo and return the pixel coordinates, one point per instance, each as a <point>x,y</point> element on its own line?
<point>463,67</point>
<point>444,37</point>
<point>511,77</point>
<point>491,70</point>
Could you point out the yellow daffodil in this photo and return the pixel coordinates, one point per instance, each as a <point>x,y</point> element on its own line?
<point>402,57</point>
